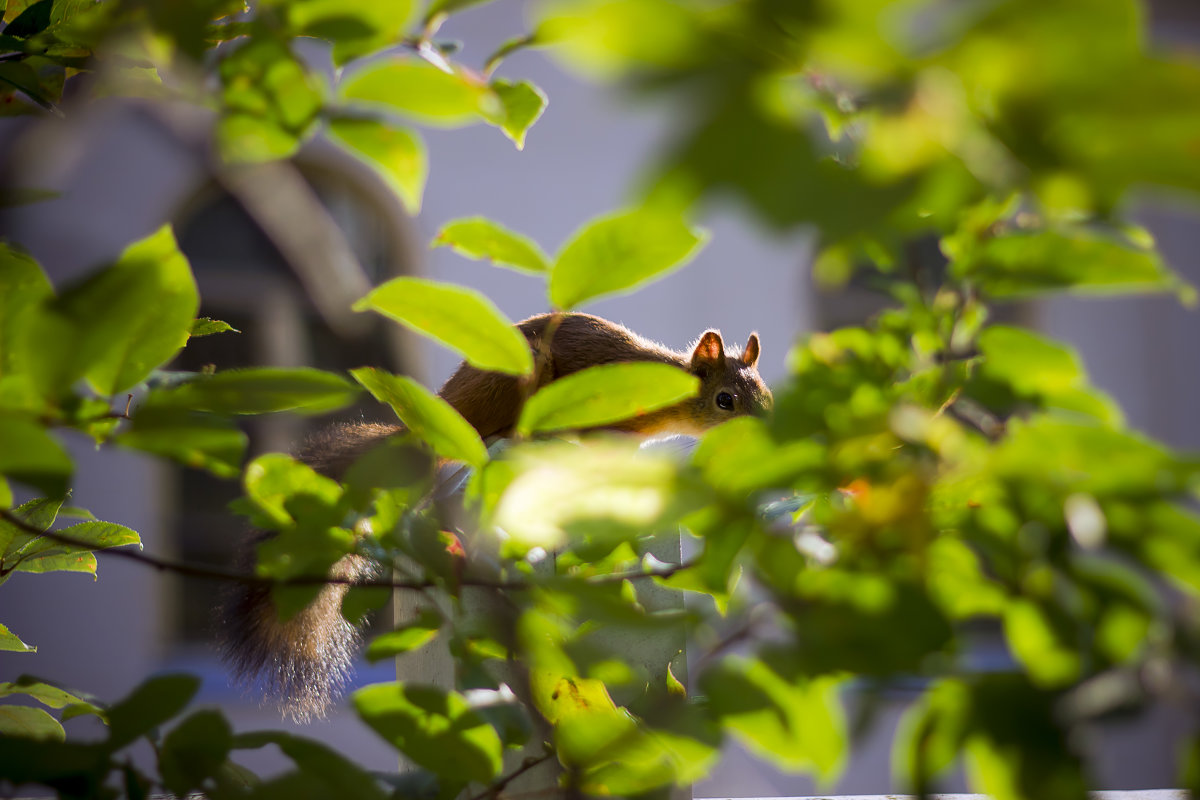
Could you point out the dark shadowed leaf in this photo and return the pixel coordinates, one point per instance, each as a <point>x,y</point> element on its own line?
<point>148,706</point>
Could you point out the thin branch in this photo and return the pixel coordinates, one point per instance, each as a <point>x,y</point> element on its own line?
<point>232,576</point>
<point>496,788</point>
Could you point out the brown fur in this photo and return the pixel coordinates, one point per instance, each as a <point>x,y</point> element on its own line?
<point>305,661</point>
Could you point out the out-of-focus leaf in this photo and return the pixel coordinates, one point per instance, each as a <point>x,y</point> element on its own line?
<point>23,286</point>
<point>1033,640</point>
<point>428,416</point>
<point>398,154</point>
<point>610,489</point>
<point>438,7</point>
<point>605,394</point>
<point>739,456</point>
<point>412,635</point>
<point>523,104</point>
<point>355,29</point>
<point>149,705</point>
<point>29,723</point>
<point>417,89</point>
<point>1027,263</point>
<point>259,390</point>
<point>322,768</point>
<point>192,438</point>
<point>437,729</point>
<point>194,751</point>
<point>460,318</point>
<point>796,725</point>
<point>270,102</point>
<point>620,252</point>
<point>30,455</point>
<point>476,237</point>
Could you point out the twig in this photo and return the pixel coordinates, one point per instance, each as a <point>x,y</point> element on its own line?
<point>496,788</point>
<point>219,574</point>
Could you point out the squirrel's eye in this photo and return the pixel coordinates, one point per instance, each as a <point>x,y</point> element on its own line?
<point>725,401</point>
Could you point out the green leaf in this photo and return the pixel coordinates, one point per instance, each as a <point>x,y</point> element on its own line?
<point>120,323</point>
<point>206,327</point>
<point>33,19</point>
<point>1029,263</point>
<point>30,723</point>
<point>417,89</point>
<point>438,7</point>
<point>192,438</point>
<point>194,751</point>
<point>273,480</point>
<point>23,286</point>
<point>477,237</point>
<point>259,390</point>
<point>425,414</point>
<point>12,643</point>
<point>437,729</point>
<point>397,154</point>
<point>460,318</point>
<point>355,29</point>
<point>149,705</point>
<point>48,695</point>
<point>794,724</point>
<point>618,253</point>
<point>605,394</point>
<point>410,636</point>
<point>58,559</point>
<point>523,104</point>
<point>270,102</point>
<point>1036,644</point>
<point>30,455</point>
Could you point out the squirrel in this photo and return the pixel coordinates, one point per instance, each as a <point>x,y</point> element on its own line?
<point>305,661</point>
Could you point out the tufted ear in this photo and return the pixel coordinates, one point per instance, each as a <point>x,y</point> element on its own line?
<point>750,354</point>
<point>709,351</point>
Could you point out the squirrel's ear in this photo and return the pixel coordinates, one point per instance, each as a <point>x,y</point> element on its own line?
<point>709,351</point>
<point>750,354</point>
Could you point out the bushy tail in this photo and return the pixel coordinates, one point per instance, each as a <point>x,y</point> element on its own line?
<point>302,663</point>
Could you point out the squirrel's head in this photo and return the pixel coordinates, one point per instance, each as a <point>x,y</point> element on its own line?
<point>730,385</point>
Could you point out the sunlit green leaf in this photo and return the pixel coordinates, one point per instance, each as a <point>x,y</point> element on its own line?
<point>398,154</point>
<point>523,104</point>
<point>796,725</point>
<point>426,415</point>
<point>618,253</point>
<point>411,635</point>
<point>12,643</point>
<point>606,394</point>
<point>273,480</point>
<point>48,695</point>
<point>460,318</point>
<point>206,327</point>
<point>437,729</point>
<point>355,29</point>
<point>417,89</point>
<point>119,323</point>
<point>477,237</point>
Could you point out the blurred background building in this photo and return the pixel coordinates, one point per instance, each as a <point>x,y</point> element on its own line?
<point>128,170</point>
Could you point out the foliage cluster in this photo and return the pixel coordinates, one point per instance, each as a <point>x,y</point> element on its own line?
<point>940,473</point>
